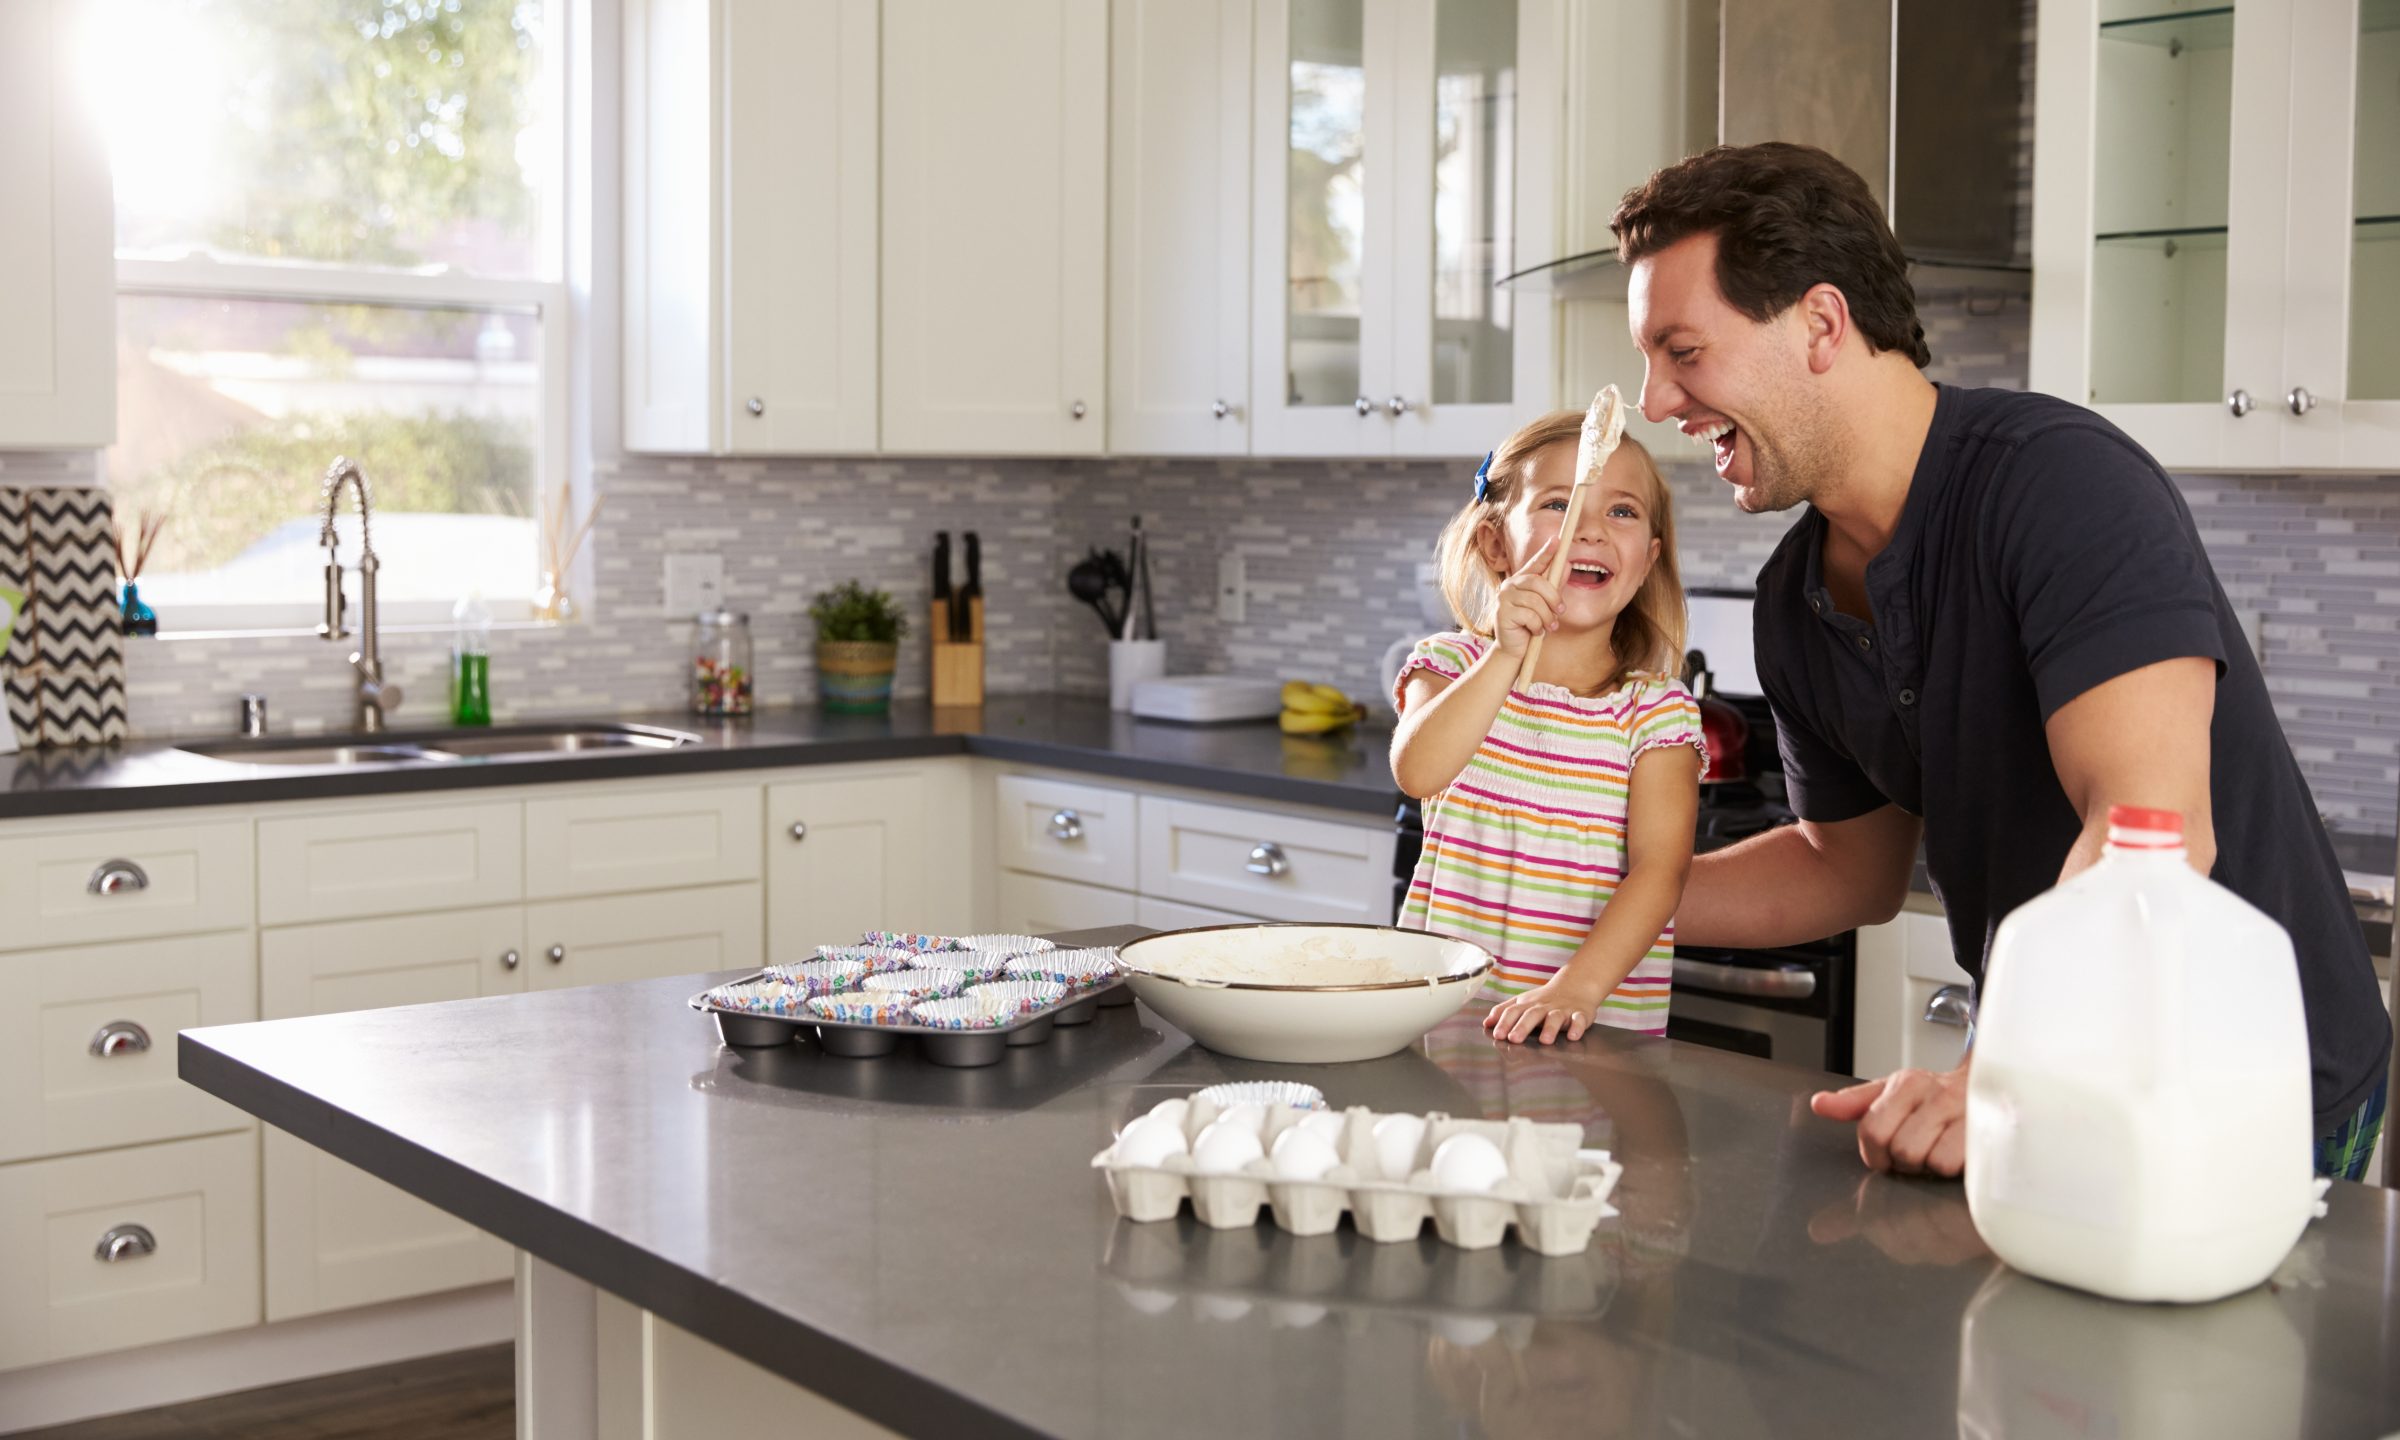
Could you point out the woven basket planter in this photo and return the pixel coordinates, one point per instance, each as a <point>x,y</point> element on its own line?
<point>854,677</point>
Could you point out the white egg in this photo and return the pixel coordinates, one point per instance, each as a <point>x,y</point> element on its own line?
<point>1148,1141</point>
<point>1250,1117</point>
<point>1226,1147</point>
<point>1466,1331</point>
<point>1148,1301</point>
<point>1396,1140</point>
<point>1289,1316</point>
<point>1468,1162</point>
<point>1177,1110</point>
<point>1328,1125</point>
<point>1303,1154</point>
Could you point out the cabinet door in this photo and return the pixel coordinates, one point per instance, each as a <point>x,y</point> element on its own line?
<point>851,854</point>
<point>1179,227</point>
<point>995,225</point>
<point>2161,175</point>
<point>1475,90</point>
<point>1913,1000</point>
<point>615,938</point>
<point>337,1236</point>
<point>1037,905</point>
<point>387,862</point>
<point>648,840</point>
<point>57,238</point>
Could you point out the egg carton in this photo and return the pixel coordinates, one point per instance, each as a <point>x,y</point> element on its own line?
<point>1553,1192</point>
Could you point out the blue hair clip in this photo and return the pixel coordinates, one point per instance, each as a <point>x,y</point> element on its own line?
<point>1483,477</point>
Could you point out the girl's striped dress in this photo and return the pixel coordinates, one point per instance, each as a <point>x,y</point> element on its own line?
<point>1528,843</point>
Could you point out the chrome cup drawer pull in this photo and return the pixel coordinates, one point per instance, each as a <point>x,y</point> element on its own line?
<point>125,1242</point>
<point>1066,825</point>
<point>1266,858</point>
<point>119,1036</point>
<point>1951,1005</point>
<point>117,877</point>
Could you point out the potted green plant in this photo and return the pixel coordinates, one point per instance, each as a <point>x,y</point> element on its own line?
<point>858,647</point>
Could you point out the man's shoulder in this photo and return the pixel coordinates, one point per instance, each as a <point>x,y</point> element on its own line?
<point>1996,431</point>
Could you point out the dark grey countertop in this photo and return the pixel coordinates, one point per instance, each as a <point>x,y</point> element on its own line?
<point>930,1248</point>
<point>1343,772</point>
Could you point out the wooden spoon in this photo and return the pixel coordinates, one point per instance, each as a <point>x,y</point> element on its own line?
<point>1603,427</point>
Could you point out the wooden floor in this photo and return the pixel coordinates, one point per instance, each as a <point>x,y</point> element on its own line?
<point>466,1396</point>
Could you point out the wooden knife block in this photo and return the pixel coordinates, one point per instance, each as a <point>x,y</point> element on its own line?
<point>957,664</point>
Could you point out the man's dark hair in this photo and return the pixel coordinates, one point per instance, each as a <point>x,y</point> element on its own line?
<point>1786,217</point>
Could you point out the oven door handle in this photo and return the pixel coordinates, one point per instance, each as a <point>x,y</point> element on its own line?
<point>1782,982</point>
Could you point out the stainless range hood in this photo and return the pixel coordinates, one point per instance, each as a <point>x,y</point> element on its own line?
<point>1921,97</point>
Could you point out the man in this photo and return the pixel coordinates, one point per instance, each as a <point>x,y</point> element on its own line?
<point>1994,620</point>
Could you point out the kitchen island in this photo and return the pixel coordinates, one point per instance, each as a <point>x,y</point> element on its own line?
<point>710,1236</point>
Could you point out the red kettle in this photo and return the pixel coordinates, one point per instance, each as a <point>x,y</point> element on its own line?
<point>1723,732</point>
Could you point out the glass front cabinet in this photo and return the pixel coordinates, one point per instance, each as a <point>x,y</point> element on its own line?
<point>2217,226</point>
<point>1406,159</point>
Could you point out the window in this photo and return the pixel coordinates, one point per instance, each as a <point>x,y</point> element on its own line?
<point>337,234</point>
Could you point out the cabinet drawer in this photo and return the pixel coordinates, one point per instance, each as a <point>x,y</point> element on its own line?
<point>347,965</point>
<point>614,938</point>
<point>76,887</point>
<point>386,862</point>
<point>1254,862</point>
<point>1175,915</point>
<point>1928,1044</point>
<point>196,1205</point>
<point>1037,905</point>
<point>1069,832</point>
<point>87,1041</point>
<point>612,844</point>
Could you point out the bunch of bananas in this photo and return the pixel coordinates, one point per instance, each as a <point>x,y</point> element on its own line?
<point>1317,709</point>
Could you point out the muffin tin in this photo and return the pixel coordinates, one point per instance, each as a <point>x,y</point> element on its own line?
<point>1554,1193</point>
<point>839,1003</point>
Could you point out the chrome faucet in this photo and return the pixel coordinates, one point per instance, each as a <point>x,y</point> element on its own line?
<point>374,696</point>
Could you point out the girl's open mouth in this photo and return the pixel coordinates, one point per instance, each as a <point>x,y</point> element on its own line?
<point>1588,575</point>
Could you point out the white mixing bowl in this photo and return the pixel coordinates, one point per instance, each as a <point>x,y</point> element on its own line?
<point>1304,994</point>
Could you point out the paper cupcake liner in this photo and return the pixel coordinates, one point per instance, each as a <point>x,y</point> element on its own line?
<point>963,1012</point>
<point>925,984</point>
<point>1022,997</point>
<point>821,977</point>
<point>761,997</point>
<point>1076,969</point>
<point>903,940</point>
<point>1264,1092</point>
<point>1006,944</point>
<point>877,958</point>
<point>860,1007</point>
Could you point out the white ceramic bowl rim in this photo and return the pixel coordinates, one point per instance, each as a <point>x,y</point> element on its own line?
<point>1125,957</point>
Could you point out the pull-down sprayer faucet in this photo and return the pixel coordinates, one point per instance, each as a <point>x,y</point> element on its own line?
<point>374,696</point>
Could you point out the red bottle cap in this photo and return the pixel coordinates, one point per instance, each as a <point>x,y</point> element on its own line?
<point>2137,827</point>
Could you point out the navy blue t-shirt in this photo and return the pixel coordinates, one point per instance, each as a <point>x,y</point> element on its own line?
<point>2040,553</point>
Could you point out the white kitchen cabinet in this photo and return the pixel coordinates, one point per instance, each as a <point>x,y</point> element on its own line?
<point>336,1236</point>
<point>883,849</point>
<point>1913,1000</point>
<point>607,939</point>
<point>1156,914</point>
<point>1406,155</point>
<point>652,839</point>
<point>1179,227</point>
<point>333,864</point>
<point>58,323</point>
<point>995,227</point>
<point>2217,227</point>
<point>167,877</point>
<point>750,226</point>
<point>1257,862</point>
<point>1066,830</point>
<point>1039,905</point>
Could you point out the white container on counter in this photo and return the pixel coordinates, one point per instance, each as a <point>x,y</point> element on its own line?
<point>2138,1112</point>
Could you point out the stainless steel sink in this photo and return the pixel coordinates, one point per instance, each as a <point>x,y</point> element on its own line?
<point>444,747</point>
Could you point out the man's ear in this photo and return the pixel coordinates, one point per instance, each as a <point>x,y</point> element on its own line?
<point>1824,314</point>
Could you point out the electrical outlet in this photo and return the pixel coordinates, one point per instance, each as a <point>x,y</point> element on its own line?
<point>1233,587</point>
<point>694,583</point>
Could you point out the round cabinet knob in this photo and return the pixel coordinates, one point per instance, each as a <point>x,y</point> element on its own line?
<point>799,831</point>
<point>1220,409</point>
<point>2240,403</point>
<point>2300,400</point>
<point>1078,410</point>
<point>1363,405</point>
<point>117,877</point>
<point>756,405</point>
<point>118,1037</point>
<point>1066,825</point>
<point>558,954</point>
<point>1398,405</point>
<point>1266,858</point>
<point>125,1242</point>
<point>509,959</point>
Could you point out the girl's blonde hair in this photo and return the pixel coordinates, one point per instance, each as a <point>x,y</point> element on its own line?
<point>1649,633</point>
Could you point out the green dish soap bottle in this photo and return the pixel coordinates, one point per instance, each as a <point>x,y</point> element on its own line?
<point>471,662</point>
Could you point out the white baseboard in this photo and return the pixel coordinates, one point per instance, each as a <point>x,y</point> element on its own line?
<point>181,1370</point>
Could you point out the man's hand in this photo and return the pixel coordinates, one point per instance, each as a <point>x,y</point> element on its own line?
<point>1912,1122</point>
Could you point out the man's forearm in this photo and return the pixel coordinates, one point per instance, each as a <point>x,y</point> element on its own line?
<point>1774,889</point>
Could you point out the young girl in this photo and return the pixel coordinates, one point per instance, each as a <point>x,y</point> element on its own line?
<point>1558,815</point>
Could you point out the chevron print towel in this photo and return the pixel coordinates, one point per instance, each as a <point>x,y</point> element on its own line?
<point>64,669</point>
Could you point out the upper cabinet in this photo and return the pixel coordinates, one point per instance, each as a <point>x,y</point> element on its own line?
<point>995,173</point>
<point>2217,226</point>
<point>750,226</point>
<point>1179,227</point>
<point>1405,153</point>
<point>57,239</point>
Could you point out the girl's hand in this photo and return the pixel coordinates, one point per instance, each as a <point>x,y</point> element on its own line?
<point>1527,603</point>
<point>1564,1005</point>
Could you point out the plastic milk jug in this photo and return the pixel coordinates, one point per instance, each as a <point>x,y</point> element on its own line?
<point>2138,1113</point>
